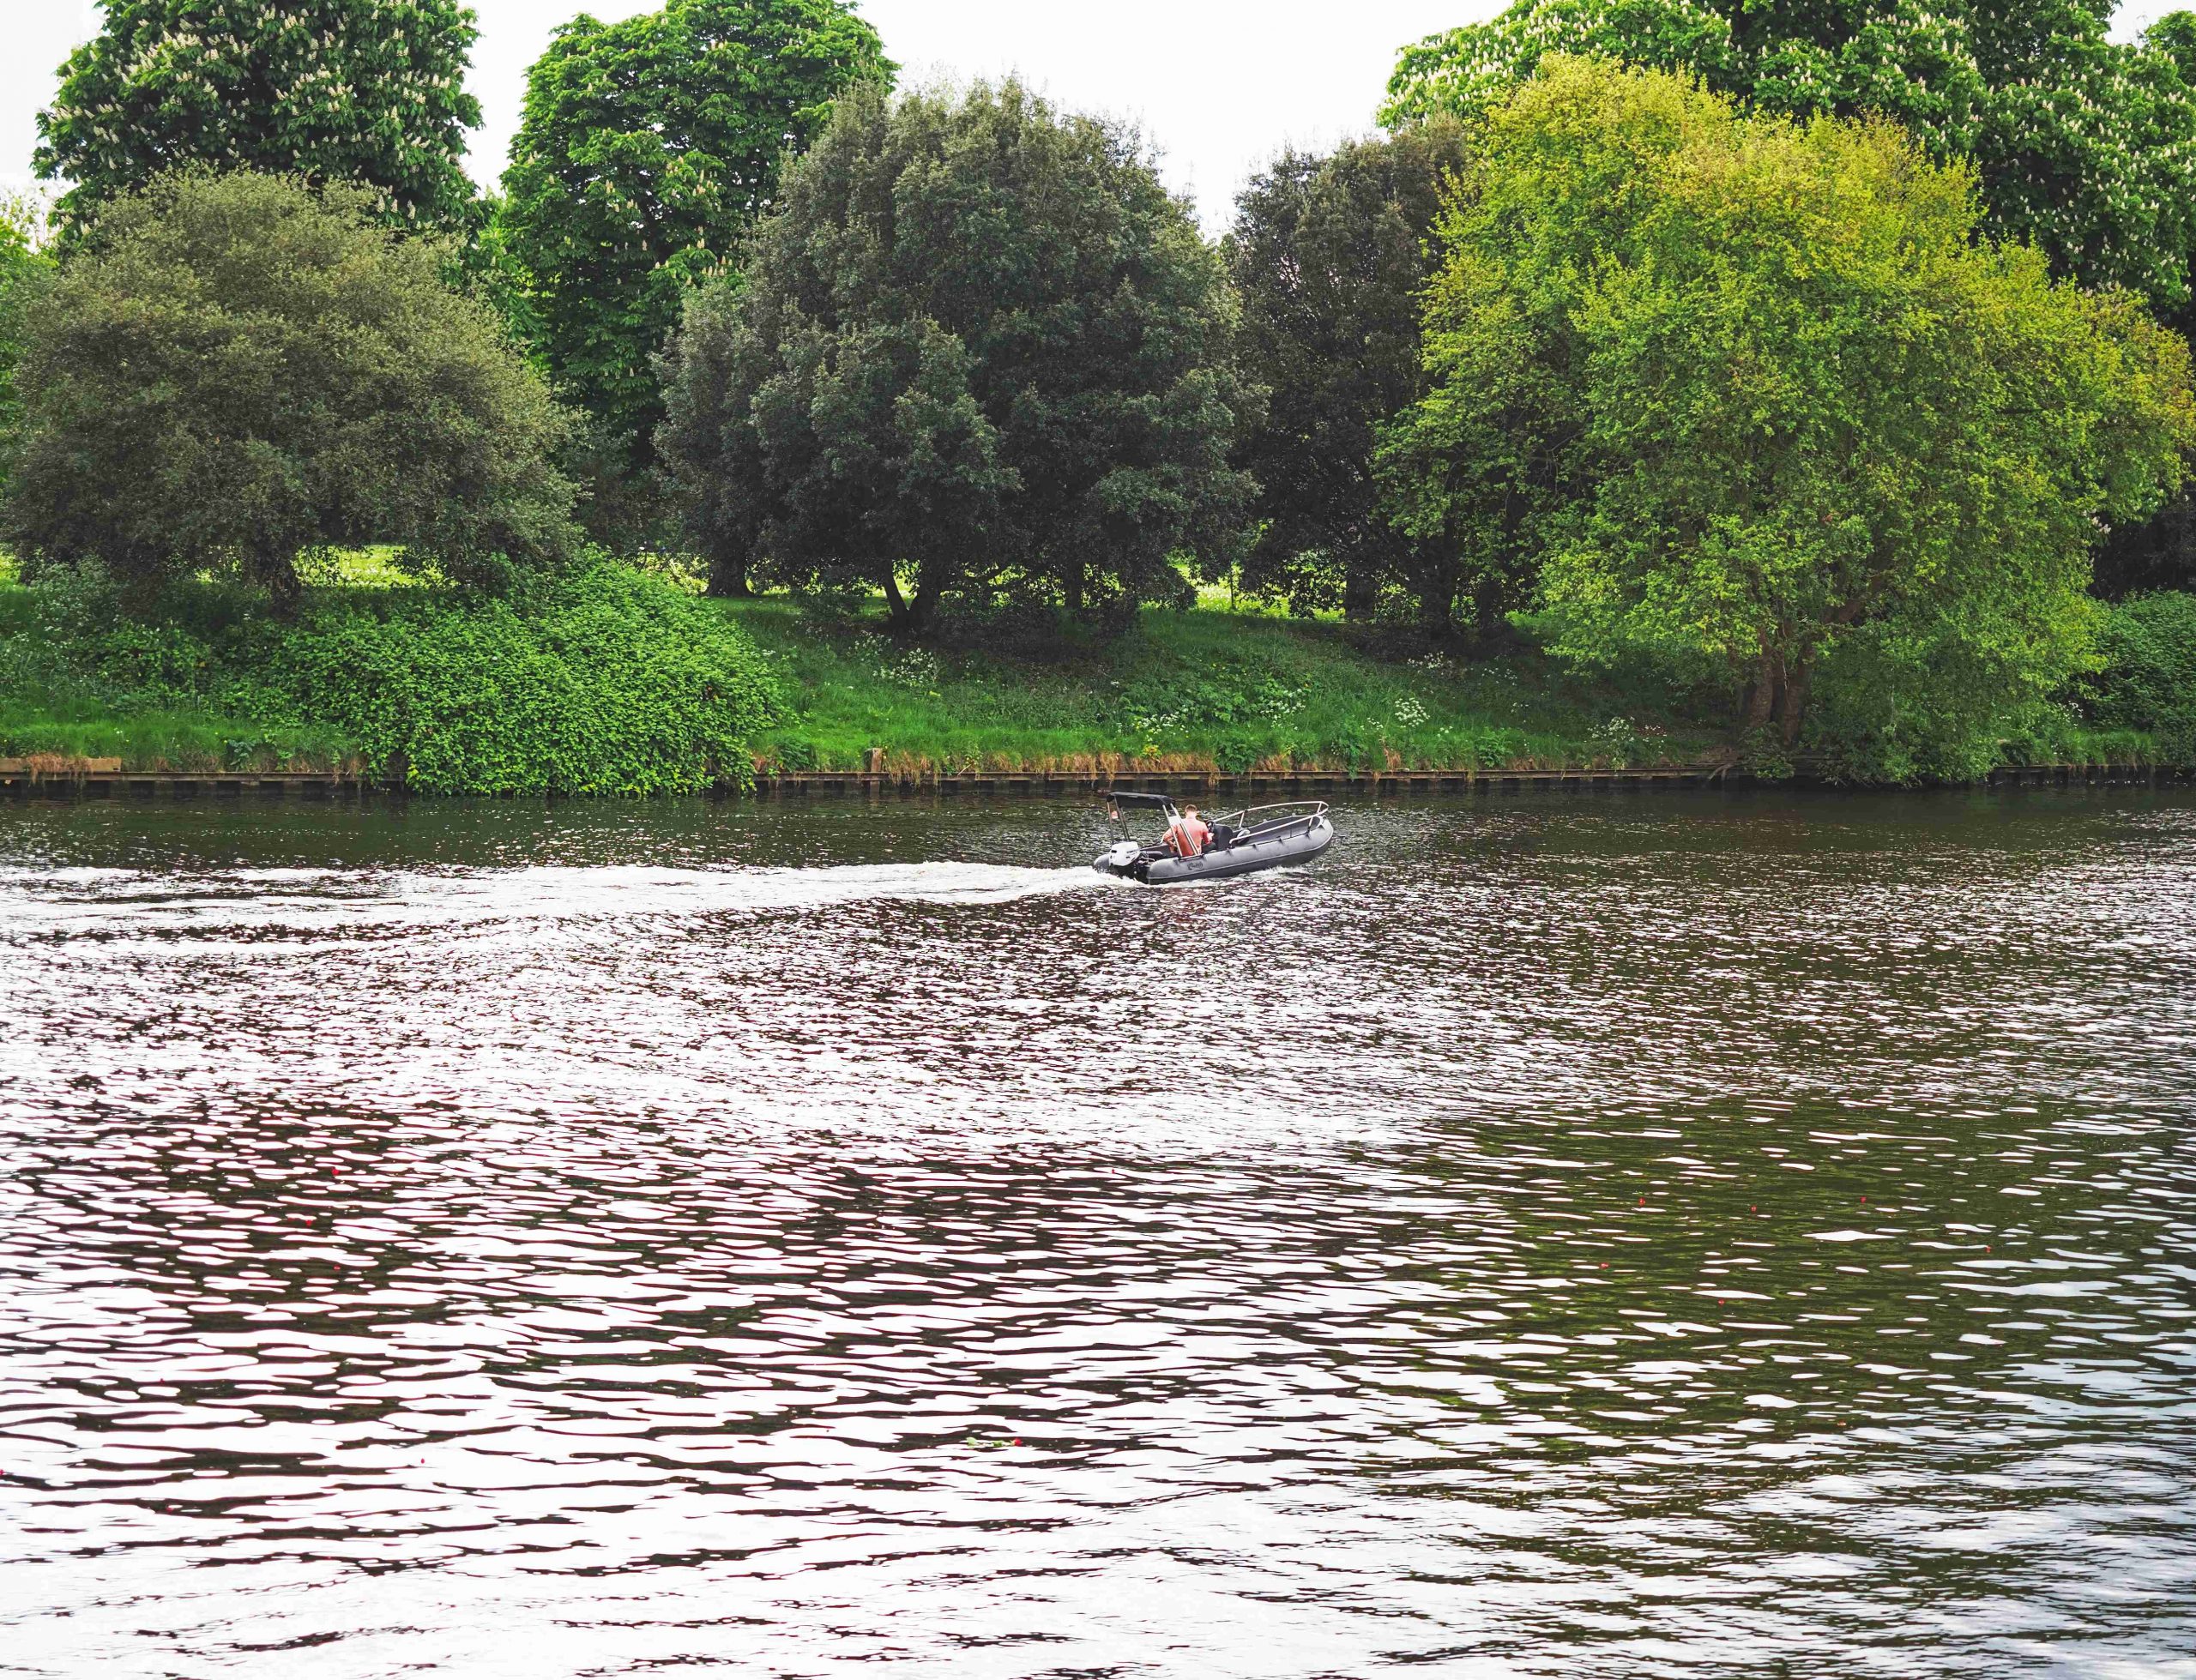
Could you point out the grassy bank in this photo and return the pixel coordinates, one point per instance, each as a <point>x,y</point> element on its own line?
<point>48,708</point>
<point>608,694</point>
<point>1188,690</point>
<point>601,681</point>
<point>1210,688</point>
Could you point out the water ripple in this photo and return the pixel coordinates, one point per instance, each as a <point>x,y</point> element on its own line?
<point>1695,1237</point>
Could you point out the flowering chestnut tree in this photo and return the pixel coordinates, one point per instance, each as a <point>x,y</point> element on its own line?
<point>369,92</point>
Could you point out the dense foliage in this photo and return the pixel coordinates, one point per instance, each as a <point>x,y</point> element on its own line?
<point>2086,147</point>
<point>2146,678</point>
<point>648,148</point>
<point>1731,351</point>
<point>23,271</point>
<point>601,681</point>
<point>979,349</point>
<point>611,683</point>
<point>1328,256</point>
<point>1681,359</point>
<point>240,370</point>
<point>369,93</point>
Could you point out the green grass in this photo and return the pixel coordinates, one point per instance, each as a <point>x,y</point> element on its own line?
<point>1210,688</point>
<point>1189,690</point>
<point>164,739</point>
<point>42,717</point>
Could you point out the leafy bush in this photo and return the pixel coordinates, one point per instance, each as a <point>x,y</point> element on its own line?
<point>2147,645</point>
<point>612,683</point>
<point>76,643</point>
<point>1891,709</point>
<point>604,682</point>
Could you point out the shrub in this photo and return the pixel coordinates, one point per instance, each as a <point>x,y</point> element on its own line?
<point>609,682</point>
<point>2147,646</point>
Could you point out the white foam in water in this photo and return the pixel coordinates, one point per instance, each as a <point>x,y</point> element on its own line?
<point>556,892</point>
<point>61,901</point>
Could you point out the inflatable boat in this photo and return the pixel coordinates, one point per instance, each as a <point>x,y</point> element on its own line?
<point>1260,837</point>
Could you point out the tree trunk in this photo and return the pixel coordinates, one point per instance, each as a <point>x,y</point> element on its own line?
<point>286,594</point>
<point>1360,592</point>
<point>728,578</point>
<point>1759,704</point>
<point>1792,700</point>
<point>1073,587</point>
<point>1437,609</point>
<point>895,603</point>
<point>922,607</point>
<point>1488,623</point>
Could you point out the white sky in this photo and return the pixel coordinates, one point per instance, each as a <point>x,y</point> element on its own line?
<point>1218,86</point>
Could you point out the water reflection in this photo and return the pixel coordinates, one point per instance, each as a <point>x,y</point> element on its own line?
<point>1585,1237</point>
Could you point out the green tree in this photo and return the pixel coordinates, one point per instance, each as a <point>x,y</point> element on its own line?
<point>2160,553</point>
<point>237,368</point>
<point>648,148</point>
<point>24,269</point>
<point>978,349</point>
<point>1328,256</point>
<point>2085,147</point>
<point>1766,395</point>
<point>368,92</point>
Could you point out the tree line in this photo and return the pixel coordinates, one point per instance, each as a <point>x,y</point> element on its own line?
<point>1815,352</point>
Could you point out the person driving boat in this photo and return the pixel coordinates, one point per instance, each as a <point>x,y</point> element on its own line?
<point>1187,836</point>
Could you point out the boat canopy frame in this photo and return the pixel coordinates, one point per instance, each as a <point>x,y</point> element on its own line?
<point>1307,812</point>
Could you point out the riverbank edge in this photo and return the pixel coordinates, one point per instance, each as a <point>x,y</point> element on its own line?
<point>95,779</point>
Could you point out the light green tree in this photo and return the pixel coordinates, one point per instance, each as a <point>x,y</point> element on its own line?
<point>1745,389</point>
<point>2085,146</point>
<point>365,92</point>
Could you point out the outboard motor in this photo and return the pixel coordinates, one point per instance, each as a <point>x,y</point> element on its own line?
<point>1121,857</point>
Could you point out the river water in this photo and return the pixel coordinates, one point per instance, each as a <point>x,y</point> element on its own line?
<point>1741,1234</point>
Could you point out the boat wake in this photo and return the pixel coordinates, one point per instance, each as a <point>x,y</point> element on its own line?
<point>48,903</point>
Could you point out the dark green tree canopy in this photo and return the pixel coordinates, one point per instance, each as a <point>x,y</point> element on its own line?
<point>648,148</point>
<point>365,92</point>
<point>1763,397</point>
<point>978,348</point>
<point>2087,146</point>
<point>238,369</point>
<point>1328,256</point>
